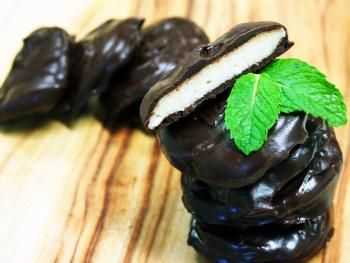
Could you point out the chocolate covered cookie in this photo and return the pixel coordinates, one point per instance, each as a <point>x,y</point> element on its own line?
<point>259,162</point>
<point>299,188</point>
<point>39,76</point>
<point>270,243</point>
<point>96,57</point>
<point>206,151</point>
<point>163,45</point>
<point>211,69</point>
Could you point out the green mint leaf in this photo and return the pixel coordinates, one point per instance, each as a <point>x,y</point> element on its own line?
<point>251,110</point>
<point>304,88</point>
<point>286,85</point>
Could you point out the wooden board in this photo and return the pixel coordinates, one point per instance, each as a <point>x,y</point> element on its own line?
<point>82,194</point>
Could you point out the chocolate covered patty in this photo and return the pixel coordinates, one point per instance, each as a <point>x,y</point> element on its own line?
<point>258,171</point>
<point>269,243</point>
<point>210,69</point>
<point>39,75</point>
<point>163,45</point>
<point>97,56</point>
<point>200,145</point>
<point>283,194</point>
<point>269,206</point>
<point>301,186</point>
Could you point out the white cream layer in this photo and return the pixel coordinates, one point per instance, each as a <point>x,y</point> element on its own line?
<point>214,74</point>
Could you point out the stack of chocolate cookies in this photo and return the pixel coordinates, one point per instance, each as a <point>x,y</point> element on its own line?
<point>270,206</point>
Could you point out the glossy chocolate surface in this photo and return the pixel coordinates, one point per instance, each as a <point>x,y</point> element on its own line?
<point>300,187</point>
<point>201,57</point>
<point>97,57</point>
<point>162,46</point>
<point>199,145</point>
<point>39,75</point>
<point>269,243</point>
<point>289,197</point>
<point>269,206</point>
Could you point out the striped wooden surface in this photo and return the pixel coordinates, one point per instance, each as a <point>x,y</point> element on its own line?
<point>82,194</point>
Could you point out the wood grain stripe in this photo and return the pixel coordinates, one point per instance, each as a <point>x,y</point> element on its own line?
<point>189,9</point>
<point>91,185</point>
<point>74,202</point>
<point>323,18</point>
<point>160,215</point>
<point>99,226</point>
<point>139,222</point>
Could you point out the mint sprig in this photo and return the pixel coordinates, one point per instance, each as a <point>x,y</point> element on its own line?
<point>251,110</point>
<point>286,85</point>
<point>304,88</point>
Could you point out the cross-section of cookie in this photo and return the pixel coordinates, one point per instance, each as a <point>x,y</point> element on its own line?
<point>211,69</point>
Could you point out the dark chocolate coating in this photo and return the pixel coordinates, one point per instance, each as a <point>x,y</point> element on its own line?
<point>201,57</point>
<point>39,75</point>
<point>207,152</point>
<point>289,193</point>
<point>97,57</point>
<point>280,195</point>
<point>268,243</point>
<point>269,206</point>
<point>162,46</point>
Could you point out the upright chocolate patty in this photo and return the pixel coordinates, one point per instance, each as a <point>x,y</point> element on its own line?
<point>269,243</point>
<point>97,57</point>
<point>199,145</point>
<point>211,69</point>
<point>39,75</point>
<point>162,46</point>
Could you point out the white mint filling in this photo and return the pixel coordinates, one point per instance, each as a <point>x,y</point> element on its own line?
<point>214,74</point>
